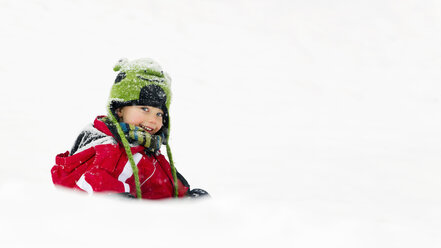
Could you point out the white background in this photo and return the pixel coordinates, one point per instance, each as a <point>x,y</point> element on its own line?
<point>311,123</point>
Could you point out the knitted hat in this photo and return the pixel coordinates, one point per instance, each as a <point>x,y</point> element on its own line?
<point>141,82</point>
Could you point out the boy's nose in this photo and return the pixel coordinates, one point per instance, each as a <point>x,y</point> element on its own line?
<point>151,121</point>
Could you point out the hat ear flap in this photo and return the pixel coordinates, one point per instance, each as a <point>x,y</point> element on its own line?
<point>164,133</point>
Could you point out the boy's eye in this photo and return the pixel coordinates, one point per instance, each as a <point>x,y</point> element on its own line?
<point>160,114</point>
<point>145,109</point>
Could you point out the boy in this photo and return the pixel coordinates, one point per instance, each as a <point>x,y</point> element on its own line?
<point>120,152</point>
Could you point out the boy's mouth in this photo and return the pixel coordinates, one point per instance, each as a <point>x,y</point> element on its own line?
<point>146,128</point>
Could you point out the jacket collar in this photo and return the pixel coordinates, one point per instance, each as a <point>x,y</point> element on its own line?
<point>101,126</point>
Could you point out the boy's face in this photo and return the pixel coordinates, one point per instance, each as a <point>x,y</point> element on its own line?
<point>146,117</point>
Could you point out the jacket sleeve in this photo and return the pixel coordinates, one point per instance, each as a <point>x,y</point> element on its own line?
<point>68,169</point>
<point>91,170</point>
<point>102,174</point>
<point>182,179</point>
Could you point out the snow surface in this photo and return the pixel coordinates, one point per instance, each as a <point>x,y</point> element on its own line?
<point>312,123</point>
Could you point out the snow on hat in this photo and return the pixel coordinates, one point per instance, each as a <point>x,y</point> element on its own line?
<point>133,80</point>
<point>141,82</point>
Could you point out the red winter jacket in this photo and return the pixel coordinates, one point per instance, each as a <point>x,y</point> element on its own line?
<point>100,164</point>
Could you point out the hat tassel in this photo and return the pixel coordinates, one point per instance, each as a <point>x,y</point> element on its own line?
<point>129,154</point>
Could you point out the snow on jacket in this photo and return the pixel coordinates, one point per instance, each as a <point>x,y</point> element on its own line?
<point>97,163</point>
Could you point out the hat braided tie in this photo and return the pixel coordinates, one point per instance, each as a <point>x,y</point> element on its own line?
<point>173,170</point>
<point>129,154</point>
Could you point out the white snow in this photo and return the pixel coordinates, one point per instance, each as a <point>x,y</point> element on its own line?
<point>311,123</point>
<point>138,64</point>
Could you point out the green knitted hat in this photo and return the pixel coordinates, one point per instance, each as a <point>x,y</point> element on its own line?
<point>141,82</point>
<point>136,75</point>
